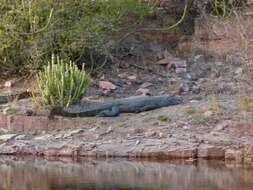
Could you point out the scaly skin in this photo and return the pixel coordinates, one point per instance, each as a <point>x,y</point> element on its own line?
<point>114,108</point>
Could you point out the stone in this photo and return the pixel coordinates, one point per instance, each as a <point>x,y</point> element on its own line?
<point>239,71</point>
<point>20,137</point>
<point>182,153</point>
<point>181,70</point>
<point>7,137</point>
<point>222,125</point>
<point>109,130</point>
<point>2,130</point>
<point>208,113</point>
<point>211,152</point>
<point>72,133</point>
<point>137,142</point>
<point>132,77</point>
<point>162,135</point>
<point>150,133</point>
<point>30,124</point>
<point>122,75</point>
<point>165,61</point>
<point>146,85</point>
<point>43,137</point>
<point>8,84</point>
<point>184,88</point>
<point>142,92</point>
<point>58,136</point>
<point>200,69</point>
<point>9,110</point>
<point>235,156</point>
<point>172,61</point>
<point>107,86</point>
<point>196,89</point>
<point>138,131</point>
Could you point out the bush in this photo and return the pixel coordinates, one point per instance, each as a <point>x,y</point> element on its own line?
<point>61,83</point>
<point>85,31</point>
<point>222,8</point>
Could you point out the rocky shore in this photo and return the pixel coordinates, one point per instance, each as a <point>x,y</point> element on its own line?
<point>145,135</point>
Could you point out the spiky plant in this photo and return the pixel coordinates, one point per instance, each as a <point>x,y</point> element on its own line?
<point>61,83</point>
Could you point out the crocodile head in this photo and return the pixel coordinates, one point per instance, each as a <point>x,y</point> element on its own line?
<point>174,100</point>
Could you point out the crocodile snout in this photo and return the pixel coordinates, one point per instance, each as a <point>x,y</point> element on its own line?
<point>173,100</point>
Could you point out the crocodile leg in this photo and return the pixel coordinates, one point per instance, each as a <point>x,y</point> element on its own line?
<point>113,112</point>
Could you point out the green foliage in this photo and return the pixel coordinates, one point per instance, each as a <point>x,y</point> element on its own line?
<point>20,26</point>
<point>222,8</point>
<point>62,83</point>
<point>85,31</point>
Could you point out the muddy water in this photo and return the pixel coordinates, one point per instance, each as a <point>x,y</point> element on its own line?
<point>19,174</point>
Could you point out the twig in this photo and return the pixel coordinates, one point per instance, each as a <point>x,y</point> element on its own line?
<point>248,13</point>
<point>43,28</point>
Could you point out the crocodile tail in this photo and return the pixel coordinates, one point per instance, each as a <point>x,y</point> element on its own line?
<point>55,111</point>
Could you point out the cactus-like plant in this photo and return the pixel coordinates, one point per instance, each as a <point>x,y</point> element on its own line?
<point>61,83</point>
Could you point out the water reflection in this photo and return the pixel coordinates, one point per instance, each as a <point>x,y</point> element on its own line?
<point>120,175</point>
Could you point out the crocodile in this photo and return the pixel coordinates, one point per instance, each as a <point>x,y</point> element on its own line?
<point>114,108</point>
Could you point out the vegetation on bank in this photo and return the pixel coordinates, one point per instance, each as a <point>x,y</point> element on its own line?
<point>87,32</point>
<point>61,83</point>
<point>84,31</point>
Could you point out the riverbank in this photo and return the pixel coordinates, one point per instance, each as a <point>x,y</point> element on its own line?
<point>168,133</point>
<point>214,122</point>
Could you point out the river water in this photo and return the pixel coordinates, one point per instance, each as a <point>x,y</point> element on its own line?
<point>32,174</point>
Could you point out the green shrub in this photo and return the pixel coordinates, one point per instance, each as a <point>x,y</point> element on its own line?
<point>62,83</point>
<point>85,31</point>
<point>222,8</point>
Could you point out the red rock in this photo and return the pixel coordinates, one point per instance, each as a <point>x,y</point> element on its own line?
<point>29,124</point>
<point>3,121</point>
<point>150,133</point>
<point>122,75</point>
<point>107,86</point>
<point>8,84</point>
<point>172,61</point>
<point>181,70</point>
<point>143,92</point>
<point>210,152</point>
<point>132,77</point>
<point>184,88</point>
<point>234,156</point>
<point>165,61</point>
<point>182,153</point>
